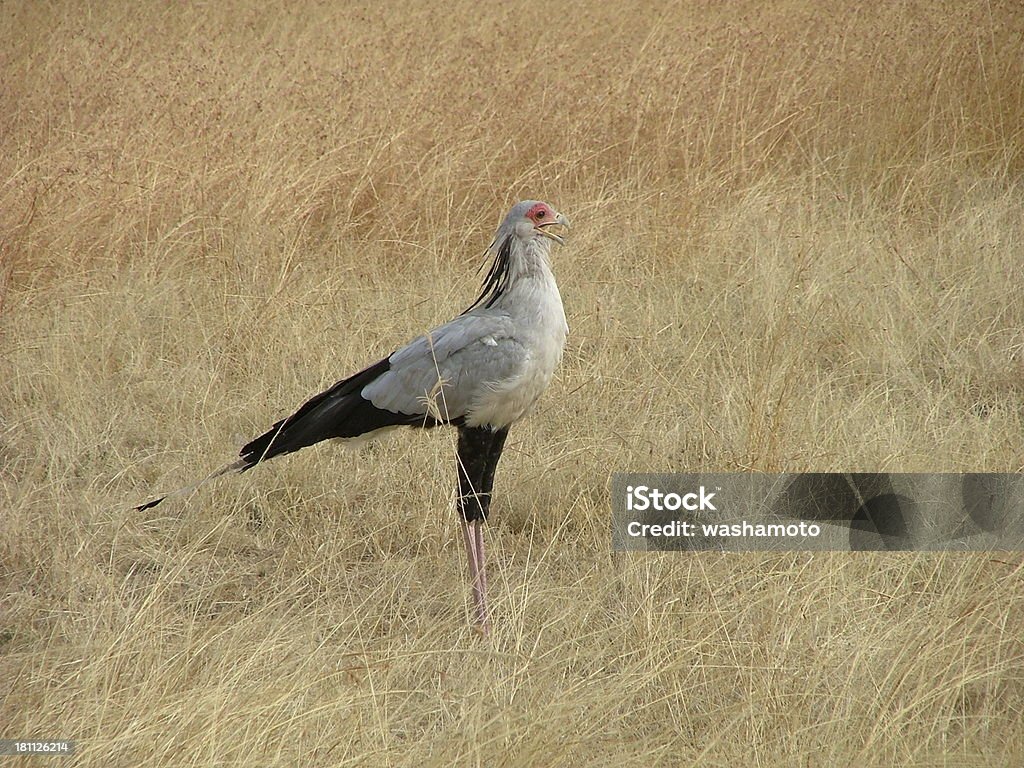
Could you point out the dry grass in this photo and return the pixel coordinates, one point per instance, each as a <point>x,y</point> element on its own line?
<point>798,245</point>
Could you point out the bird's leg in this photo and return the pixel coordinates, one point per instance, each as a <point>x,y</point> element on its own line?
<point>479,450</point>
<point>474,445</point>
<point>472,537</point>
<point>493,454</point>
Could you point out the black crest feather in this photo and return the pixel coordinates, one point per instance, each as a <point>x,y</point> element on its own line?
<point>496,282</point>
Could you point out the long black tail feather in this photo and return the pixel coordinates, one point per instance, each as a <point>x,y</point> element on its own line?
<point>237,466</point>
<point>339,411</point>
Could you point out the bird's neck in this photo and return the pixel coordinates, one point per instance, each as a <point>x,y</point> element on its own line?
<point>531,292</point>
<point>531,261</point>
<point>521,283</point>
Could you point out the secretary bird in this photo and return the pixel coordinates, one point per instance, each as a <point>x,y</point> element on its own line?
<point>481,372</point>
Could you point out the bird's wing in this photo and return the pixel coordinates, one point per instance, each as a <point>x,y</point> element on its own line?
<point>444,372</point>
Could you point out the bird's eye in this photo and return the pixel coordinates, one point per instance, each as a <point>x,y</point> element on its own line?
<point>540,214</point>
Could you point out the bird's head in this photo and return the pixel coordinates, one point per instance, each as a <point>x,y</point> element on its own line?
<point>532,219</point>
<point>519,244</point>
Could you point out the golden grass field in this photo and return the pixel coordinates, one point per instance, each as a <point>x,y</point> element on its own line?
<point>798,244</point>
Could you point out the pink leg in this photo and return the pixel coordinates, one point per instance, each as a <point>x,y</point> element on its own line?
<point>473,537</point>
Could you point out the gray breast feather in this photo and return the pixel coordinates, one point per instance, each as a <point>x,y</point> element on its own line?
<point>447,370</point>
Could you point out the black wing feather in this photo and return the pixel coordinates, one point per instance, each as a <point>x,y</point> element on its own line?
<point>339,411</point>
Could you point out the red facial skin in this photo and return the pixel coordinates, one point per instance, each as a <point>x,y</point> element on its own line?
<point>541,214</point>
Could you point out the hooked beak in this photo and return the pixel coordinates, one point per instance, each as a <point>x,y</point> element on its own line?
<point>559,219</point>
